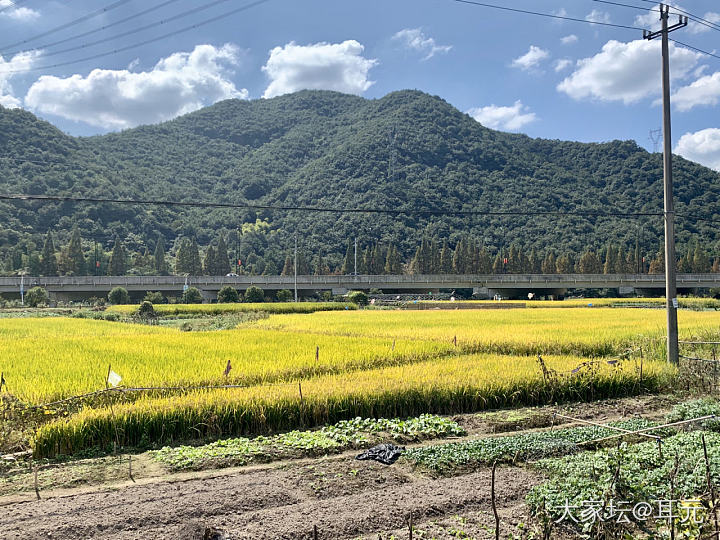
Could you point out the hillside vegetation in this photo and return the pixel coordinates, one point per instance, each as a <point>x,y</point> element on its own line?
<point>405,151</point>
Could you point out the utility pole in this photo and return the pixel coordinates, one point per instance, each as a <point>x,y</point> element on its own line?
<point>355,273</point>
<point>669,213</point>
<point>295,268</point>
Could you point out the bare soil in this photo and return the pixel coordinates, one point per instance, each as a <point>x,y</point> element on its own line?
<point>344,498</point>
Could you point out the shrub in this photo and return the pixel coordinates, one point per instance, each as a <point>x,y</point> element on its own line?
<point>284,295</point>
<point>192,296</point>
<point>254,295</point>
<point>146,310</point>
<point>36,296</point>
<point>228,295</point>
<point>154,298</point>
<point>119,295</point>
<point>358,297</point>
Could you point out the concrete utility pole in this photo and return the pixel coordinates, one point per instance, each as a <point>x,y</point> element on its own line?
<point>669,213</point>
<point>295,268</point>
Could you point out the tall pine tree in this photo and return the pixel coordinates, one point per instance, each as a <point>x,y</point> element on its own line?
<point>159,261</point>
<point>48,259</point>
<point>118,260</point>
<point>74,257</point>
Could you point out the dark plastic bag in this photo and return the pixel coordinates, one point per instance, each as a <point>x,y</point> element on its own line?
<point>385,453</point>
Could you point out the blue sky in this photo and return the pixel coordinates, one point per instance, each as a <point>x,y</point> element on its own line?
<point>515,72</point>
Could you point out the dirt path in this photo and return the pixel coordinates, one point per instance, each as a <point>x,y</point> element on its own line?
<point>343,497</point>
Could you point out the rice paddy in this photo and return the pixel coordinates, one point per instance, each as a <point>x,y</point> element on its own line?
<point>368,363</point>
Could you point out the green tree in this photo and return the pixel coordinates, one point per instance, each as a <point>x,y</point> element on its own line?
<point>611,258</point>
<point>209,265</point>
<point>192,295</point>
<point>254,295</point>
<point>589,263</point>
<point>358,297</point>
<point>564,264</point>
<point>49,265</point>
<point>348,265</point>
<point>119,295</point>
<point>498,266</point>
<point>194,264</point>
<point>36,296</point>
<point>701,261</point>
<point>289,266</point>
<point>393,263</point>
<point>284,295</point>
<point>74,256</point>
<point>222,261</point>
<point>446,259</point>
<point>154,297</point>
<point>228,295</point>
<point>549,264</point>
<point>118,260</point>
<point>159,262</point>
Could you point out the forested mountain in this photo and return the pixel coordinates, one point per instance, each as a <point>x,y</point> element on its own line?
<point>405,151</point>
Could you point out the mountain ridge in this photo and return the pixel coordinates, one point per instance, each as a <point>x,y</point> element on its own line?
<point>405,151</point>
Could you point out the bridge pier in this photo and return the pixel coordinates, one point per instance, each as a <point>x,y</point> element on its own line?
<point>208,296</point>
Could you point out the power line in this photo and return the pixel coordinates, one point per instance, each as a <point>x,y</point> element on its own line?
<point>695,48</point>
<point>548,15</point>
<point>95,31</point>
<point>68,24</point>
<point>620,4</point>
<point>316,209</point>
<point>140,44</point>
<point>134,30</point>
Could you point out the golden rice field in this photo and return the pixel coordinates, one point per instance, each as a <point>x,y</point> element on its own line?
<point>586,332</point>
<point>370,363</point>
<point>50,359</point>
<point>452,385</point>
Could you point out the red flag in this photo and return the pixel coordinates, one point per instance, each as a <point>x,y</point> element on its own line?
<point>227,369</point>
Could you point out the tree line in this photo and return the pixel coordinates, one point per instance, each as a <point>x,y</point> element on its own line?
<point>468,256</point>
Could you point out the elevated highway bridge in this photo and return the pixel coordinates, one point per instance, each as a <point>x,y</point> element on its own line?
<point>507,285</point>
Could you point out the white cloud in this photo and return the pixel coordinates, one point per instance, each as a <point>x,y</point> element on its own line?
<point>702,146</point>
<point>569,40</point>
<point>21,14</point>
<point>506,118</point>
<point>530,59</point>
<point>415,39</point>
<point>651,19</point>
<point>19,62</point>
<point>562,64</point>
<point>704,91</point>
<point>626,72</point>
<point>320,66</point>
<point>598,16</point>
<point>117,99</point>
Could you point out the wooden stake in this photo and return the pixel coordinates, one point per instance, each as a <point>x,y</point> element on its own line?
<point>410,525</point>
<point>315,532</point>
<point>317,353</point>
<point>393,345</point>
<point>130,467</point>
<point>107,377</point>
<point>492,500</point>
<point>35,476</point>
<point>455,340</point>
